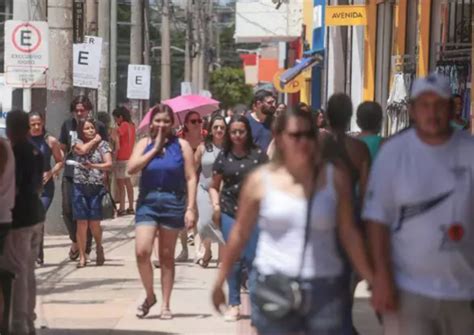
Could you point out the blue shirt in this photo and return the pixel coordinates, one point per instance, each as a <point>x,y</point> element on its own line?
<point>261,132</point>
<point>165,172</point>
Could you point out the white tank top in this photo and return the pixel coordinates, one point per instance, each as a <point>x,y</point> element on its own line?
<point>282,221</point>
<point>7,186</point>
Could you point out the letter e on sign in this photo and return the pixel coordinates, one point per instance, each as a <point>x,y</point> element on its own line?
<point>83,58</point>
<point>26,38</point>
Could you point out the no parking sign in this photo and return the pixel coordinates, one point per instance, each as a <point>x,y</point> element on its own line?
<point>26,53</point>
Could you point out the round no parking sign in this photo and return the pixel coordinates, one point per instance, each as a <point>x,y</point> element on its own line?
<point>26,37</point>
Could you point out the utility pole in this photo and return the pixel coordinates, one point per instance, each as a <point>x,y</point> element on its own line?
<point>59,86</point>
<point>136,48</point>
<point>203,43</point>
<point>113,55</point>
<point>197,47</point>
<point>91,17</point>
<point>104,32</point>
<point>27,10</point>
<point>146,47</point>
<point>187,45</point>
<point>165,51</point>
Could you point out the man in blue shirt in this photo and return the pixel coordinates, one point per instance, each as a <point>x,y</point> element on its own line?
<point>261,118</point>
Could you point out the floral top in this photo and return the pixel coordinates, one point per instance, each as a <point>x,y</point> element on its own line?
<point>95,156</point>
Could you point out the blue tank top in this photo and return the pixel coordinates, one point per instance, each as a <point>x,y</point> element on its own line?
<point>165,172</point>
<point>42,145</point>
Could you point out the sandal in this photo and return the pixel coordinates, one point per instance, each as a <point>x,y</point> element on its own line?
<point>121,212</point>
<point>166,314</point>
<point>130,211</point>
<point>73,255</point>
<point>204,262</point>
<point>156,264</point>
<point>144,308</point>
<point>81,265</point>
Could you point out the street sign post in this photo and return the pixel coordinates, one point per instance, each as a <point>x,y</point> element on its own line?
<point>26,53</point>
<point>138,82</point>
<point>86,62</point>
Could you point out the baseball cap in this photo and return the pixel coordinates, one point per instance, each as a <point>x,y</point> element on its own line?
<point>434,83</point>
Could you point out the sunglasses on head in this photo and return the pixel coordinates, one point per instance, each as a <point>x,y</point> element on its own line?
<point>199,121</point>
<point>297,135</point>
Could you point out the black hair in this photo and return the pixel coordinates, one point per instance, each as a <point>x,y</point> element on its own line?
<point>302,106</point>
<point>122,112</point>
<point>370,116</point>
<point>260,95</point>
<point>339,111</point>
<point>456,96</point>
<point>18,123</point>
<point>249,145</point>
<point>316,115</point>
<point>82,124</point>
<point>83,100</point>
<point>209,138</point>
<point>186,119</point>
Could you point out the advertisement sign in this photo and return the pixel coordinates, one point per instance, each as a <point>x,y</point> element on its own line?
<point>346,15</point>
<point>26,53</point>
<point>86,62</point>
<point>138,81</point>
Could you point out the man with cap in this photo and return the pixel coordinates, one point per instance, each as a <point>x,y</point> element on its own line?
<point>420,212</point>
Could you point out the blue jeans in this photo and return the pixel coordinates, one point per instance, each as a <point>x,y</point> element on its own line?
<point>46,199</point>
<point>234,280</point>
<point>325,302</point>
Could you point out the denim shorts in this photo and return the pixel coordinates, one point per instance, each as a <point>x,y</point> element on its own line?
<point>324,304</point>
<point>87,202</point>
<point>161,208</point>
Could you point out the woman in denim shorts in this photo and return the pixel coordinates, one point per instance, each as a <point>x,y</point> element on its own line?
<point>166,203</point>
<point>94,157</point>
<point>277,198</point>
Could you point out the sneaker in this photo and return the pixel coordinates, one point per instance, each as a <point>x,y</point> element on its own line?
<point>232,314</point>
<point>183,256</point>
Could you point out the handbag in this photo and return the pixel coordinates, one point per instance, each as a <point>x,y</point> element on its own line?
<point>278,295</point>
<point>108,206</point>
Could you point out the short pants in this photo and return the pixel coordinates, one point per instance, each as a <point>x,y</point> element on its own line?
<point>87,202</point>
<point>120,170</point>
<point>161,208</point>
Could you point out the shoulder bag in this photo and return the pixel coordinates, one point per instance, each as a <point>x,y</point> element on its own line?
<point>278,295</point>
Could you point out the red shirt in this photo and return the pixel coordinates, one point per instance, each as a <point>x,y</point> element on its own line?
<point>126,133</point>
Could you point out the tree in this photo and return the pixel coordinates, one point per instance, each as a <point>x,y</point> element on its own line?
<point>229,87</point>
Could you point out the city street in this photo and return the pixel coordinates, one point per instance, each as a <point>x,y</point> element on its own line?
<point>103,300</point>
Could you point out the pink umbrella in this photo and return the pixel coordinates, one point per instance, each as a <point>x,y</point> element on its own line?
<point>183,104</point>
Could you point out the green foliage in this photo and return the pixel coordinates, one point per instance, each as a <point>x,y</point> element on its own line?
<point>229,87</point>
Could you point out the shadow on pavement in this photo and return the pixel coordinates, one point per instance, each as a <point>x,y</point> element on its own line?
<point>99,332</point>
<point>72,286</point>
<point>183,316</point>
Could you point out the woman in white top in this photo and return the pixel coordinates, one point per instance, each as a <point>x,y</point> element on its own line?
<point>276,197</point>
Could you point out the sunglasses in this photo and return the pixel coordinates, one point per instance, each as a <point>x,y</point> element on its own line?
<point>298,135</point>
<point>238,132</point>
<point>218,127</point>
<point>199,121</point>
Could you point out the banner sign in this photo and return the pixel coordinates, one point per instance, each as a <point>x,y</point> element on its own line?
<point>346,15</point>
<point>138,81</point>
<point>26,53</point>
<point>86,62</point>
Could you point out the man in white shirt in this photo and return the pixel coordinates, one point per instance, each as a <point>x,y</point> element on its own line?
<point>420,212</point>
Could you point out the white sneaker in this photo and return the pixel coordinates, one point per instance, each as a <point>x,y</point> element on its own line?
<point>232,314</point>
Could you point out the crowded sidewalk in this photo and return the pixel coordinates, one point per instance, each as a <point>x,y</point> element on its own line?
<point>103,300</point>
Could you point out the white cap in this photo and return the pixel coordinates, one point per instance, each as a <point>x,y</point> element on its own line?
<point>434,83</point>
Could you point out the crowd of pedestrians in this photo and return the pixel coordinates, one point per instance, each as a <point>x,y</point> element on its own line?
<point>301,211</point>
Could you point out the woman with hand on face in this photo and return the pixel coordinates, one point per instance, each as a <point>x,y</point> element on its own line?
<point>237,159</point>
<point>302,206</point>
<point>166,202</point>
<point>50,148</point>
<point>89,189</point>
<point>204,157</point>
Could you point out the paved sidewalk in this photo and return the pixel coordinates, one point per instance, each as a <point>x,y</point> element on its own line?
<point>103,300</point>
